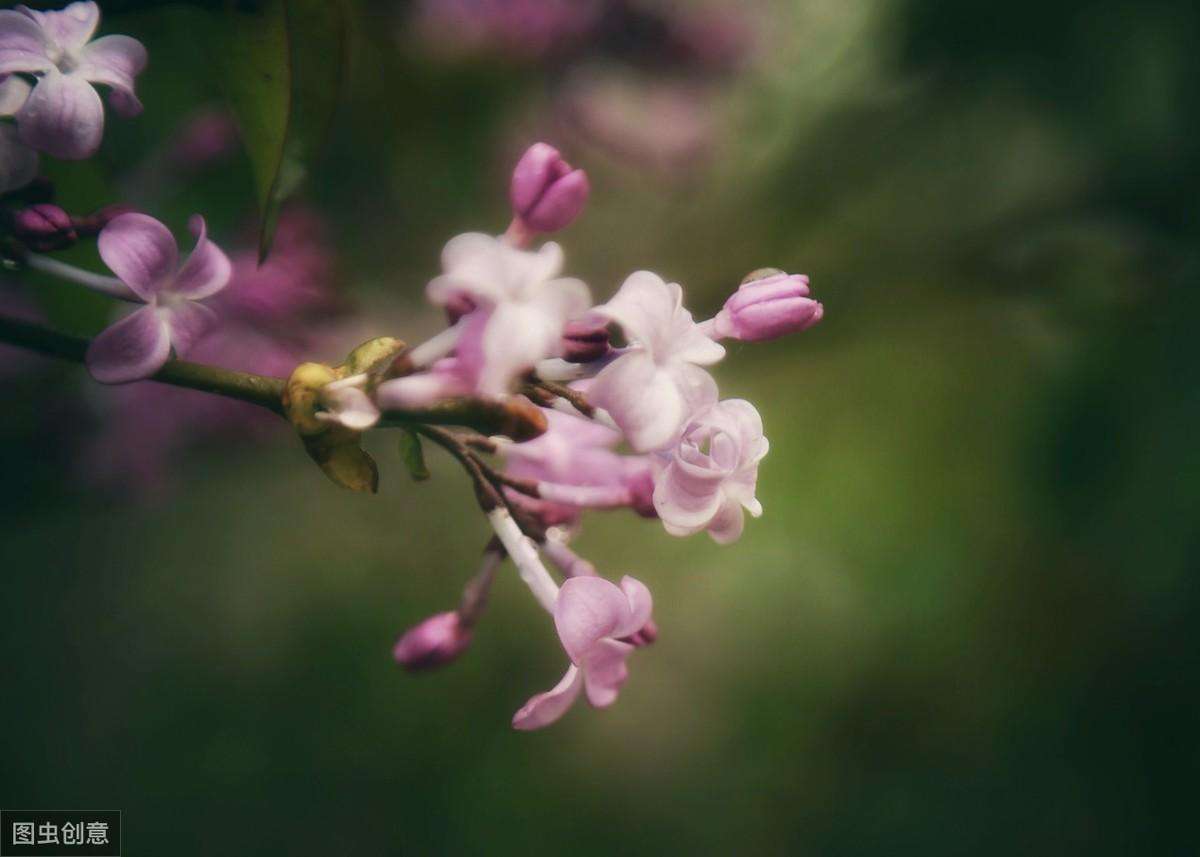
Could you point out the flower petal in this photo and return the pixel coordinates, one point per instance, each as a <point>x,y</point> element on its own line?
<point>684,503</point>
<point>642,398</point>
<point>69,28</point>
<point>115,61</point>
<point>140,251</point>
<point>18,162</point>
<point>726,527</point>
<point>644,306</point>
<point>516,337</point>
<point>348,405</point>
<point>189,322</point>
<point>587,610</point>
<point>22,44</point>
<point>641,605</point>
<point>131,349</point>
<point>207,269</point>
<point>605,671</point>
<point>545,708</point>
<point>63,116</point>
<point>14,91</point>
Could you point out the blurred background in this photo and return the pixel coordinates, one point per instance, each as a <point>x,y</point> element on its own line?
<point>969,621</point>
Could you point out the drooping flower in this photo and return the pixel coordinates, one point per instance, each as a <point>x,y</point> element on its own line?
<point>521,307</point>
<point>652,389</point>
<point>63,115</point>
<point>18,162</point>
<point>593,617</point>
<point>546,192</point>
<point>143,254</point>
<point>712,474</point>
<point>575,467</point>
<point>767,307</point>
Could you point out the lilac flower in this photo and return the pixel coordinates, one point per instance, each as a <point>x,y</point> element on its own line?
<point>18,162</point>
<point>546,193</point>
<point>436,641</point>
<point>44,227</point>
<point>521,308</point>
<point>575,467</point>
<point>143,254</point>
<point>63,115</point>
<point>524,29</point>
<point>712,473</point>
<point>592,616</point>
<point>767,308</point>
<point>348,404</point>
<point>652,389</point>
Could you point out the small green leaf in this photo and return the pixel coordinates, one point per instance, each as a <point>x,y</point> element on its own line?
<point>283,62</point>
<point>413,455</point>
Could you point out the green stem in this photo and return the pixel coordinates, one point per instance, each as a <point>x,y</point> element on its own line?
<point>245,386</point>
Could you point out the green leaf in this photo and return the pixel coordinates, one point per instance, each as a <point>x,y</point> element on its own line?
<point>413,455</point>
<point>283,62</point>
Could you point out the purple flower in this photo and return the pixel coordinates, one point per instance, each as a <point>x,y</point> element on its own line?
<point>585,340</point>
<point>143,254</point>
<point>432,643</point>
<point>592,616</point>
<point>652,389</point>
<point>525,29</point>
<point>712,473</point>
<point>768,308</point>
<point>18,162</point>
<point>63,115</point>
<point>44,227</point>
<point>546,193</point>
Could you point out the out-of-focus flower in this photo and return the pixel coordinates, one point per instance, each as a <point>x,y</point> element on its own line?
<point>767,307</point>
<point>63,115</point>
<point>436,641</point>
<point>585,340</point>
<point>663,126</point>
<point>592,616</point>
<point>18,162</point>
<point>205,136</point>
<point>143,254</point>
<point>652,389</point>
<point>346,403</point>
<point>44,227</point>
<point>520,29</point>
<point>713,472</point>
<point>546,192</point>
<point>521,307</point>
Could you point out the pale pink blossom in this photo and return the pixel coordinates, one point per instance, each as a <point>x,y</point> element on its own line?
<point>63,115</point>
<point>546,192</point>
<point>712,473</point>
<point>593,617</point>
<point>143,254</point>
<point>347,403</point>
<point>521,307</point>
<point>657,384</point>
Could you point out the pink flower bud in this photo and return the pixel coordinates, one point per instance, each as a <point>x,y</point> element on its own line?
<point>44,227</point>
<point>436,641</point>
<point>547,194</point>
<point>585,340</point>
<point>768,307</point>
<point>457,305</point>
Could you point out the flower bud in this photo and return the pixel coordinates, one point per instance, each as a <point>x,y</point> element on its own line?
<point>90,224</point>
<point>547,194</point>
<point>767,305</point>
<point>458,305</point>
<point>585,340</point>
<point>44,227</point>
<point>436,641</point>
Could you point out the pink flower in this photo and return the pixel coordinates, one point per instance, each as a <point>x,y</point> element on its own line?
<point>712,473</point>
<point>436,641</point>
<point>521,305</point>
<point>143,254</point>
<point>768,308</point>
<point>524,29</point>
<point>63,115</point>
<point>652,389</point>
<point>547,194</point>
<point>592,616</point>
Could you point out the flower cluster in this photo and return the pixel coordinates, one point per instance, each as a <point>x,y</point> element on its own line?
<point>589,405</point>
<point>520,326</point>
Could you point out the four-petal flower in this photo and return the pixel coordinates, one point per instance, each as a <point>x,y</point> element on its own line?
<point>143,254</point>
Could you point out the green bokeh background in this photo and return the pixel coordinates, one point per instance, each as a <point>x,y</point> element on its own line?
<point>967,622</point>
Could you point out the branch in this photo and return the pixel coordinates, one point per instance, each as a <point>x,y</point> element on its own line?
<point>258,390</point>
